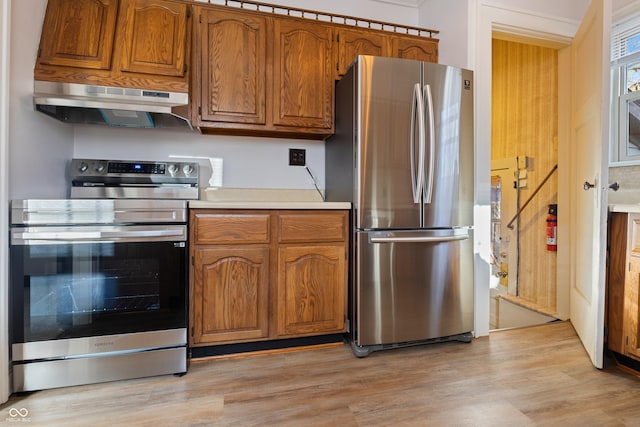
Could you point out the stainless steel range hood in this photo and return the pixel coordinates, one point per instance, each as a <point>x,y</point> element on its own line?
<point>113,106</point>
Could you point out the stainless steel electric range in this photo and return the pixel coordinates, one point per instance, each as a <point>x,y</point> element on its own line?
<point>99,281</point>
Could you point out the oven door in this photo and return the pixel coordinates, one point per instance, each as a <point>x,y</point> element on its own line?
<point>75,282</point>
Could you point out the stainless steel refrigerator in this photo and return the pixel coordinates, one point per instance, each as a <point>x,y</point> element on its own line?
<point>403,155</point>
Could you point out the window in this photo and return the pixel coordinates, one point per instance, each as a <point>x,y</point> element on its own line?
<point>626,109</point>
<point>625,92</point>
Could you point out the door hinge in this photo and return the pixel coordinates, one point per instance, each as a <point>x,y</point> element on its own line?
<point>39,52</point>
<point>185,68</point>
<point>188,12</point>
<point>193,260</point>
<point>192,331</point>
<point>200,111</point>
<point>626,340</point>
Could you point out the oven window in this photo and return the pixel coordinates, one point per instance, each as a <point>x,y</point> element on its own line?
<point>88,289</point>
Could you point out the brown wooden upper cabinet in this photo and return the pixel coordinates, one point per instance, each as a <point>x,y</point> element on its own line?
<point>78,33</point>
<point>303,75</point>
<point>265,74</point>
<point>254,73</point>
<point>352,42</point>
<point>414,47</point>
<point>130,43</point>
<point>261,74</point>
<point>153,37</point>
<point>231,67</point>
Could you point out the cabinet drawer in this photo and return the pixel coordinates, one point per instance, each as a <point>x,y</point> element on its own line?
<point>315,227</point>
<point>212,228</point>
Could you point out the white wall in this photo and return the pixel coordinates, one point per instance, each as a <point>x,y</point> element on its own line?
<point>456,22</point>
<point>248,162</point>
<point>39,146</point>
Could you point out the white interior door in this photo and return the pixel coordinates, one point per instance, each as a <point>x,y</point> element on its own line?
<point>589,162</point>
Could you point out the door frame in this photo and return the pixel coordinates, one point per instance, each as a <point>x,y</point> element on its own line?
<point>5,37</point>
<point>548,30</point>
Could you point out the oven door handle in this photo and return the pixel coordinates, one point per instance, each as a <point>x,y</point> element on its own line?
<point>143,233</point>
<point>107,234</point>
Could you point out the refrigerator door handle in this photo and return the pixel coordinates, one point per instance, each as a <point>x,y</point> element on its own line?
<point>417,179</point>
<point>419,239</point>
<point>428,185</point>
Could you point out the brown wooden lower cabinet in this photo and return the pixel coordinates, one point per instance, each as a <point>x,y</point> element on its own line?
<point>267,274</point>
<point>230,296</point>
<point>623,283</point>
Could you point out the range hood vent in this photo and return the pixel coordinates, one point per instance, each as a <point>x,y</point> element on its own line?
<point>113,106</point>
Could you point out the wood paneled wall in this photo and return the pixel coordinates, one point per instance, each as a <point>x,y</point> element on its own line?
<point>525,123</point>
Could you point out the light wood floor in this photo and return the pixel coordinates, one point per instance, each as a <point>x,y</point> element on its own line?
<point>536,376</point>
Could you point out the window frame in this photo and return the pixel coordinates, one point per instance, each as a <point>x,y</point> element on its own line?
<point>620,97</point>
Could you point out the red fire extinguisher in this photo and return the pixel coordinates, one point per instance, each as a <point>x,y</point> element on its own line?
<point>552,228</point>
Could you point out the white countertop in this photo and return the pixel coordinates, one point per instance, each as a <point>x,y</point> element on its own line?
<point>625,207</point>
<point>204,204</point>
<point>263,198</point>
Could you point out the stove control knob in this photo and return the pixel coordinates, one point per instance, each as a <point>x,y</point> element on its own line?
<point>83,167</point>
<point>187,169</point>
<point>172,169</point>
<point>99,168</point>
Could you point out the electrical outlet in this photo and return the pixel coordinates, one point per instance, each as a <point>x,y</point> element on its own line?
<point>297,157</point>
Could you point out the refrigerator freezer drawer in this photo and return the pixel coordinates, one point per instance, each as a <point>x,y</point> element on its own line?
<point>413,286</point>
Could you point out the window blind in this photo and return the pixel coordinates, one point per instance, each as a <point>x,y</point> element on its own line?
<point>625,38</point>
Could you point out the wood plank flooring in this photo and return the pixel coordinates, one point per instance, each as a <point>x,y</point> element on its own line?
<point>539,376</point>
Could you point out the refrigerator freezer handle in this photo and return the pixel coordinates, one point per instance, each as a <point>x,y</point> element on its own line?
<point>428,185</point>
<point>417,179</point>
<point>419,239</point>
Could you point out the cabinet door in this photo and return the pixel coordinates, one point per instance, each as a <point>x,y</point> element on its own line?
<point>303,75</point>
<point>231,287</point>
<point>154,37</point>
<point>78,33</point>
<point>420,49</point>
<point>632,308</point>
<point>617,272</point>
<point>311,289</point>
<point>352,43</point>
<point>232,55</point>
